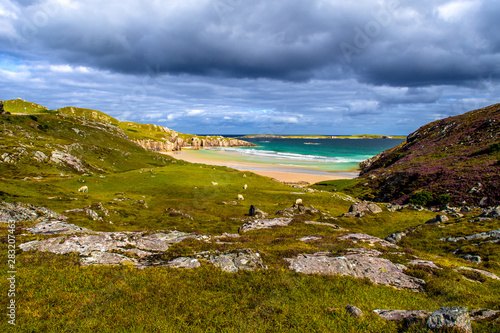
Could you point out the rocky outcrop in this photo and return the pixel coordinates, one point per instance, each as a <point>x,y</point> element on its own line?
<point>438,219</point>
<point>494,234</point>
<point>59,157</point>
<point>456,317</point>
<point>354,311</point>
<point>2,111</point>
<point>378,270</point>
<point>359,209</point>
<point>480,271</point>
<point>447,158</point>
<point>265,224</point>
<point>175,143</point>
<point>19,212</point>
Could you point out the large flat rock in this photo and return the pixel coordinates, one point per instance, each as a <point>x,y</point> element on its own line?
<point>378,270</point>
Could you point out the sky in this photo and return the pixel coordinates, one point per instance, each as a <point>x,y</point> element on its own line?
<point>255,66</point>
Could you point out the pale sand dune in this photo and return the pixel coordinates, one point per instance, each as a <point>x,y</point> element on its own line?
<point>288,174</point>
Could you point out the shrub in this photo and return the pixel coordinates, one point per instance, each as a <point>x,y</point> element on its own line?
<point>421,198</point>
<point>443,199</point>
<point>33,117</point>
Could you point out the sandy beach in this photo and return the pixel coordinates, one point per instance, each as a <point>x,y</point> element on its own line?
<point>280,173</point>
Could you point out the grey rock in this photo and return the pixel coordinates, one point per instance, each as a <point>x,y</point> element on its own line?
<point>184,262</point>
<point>378,270</point>
<point>472,258</point>
<point>438,219</point>
<point>309,238</point>
<point>20,212</point>
<point>495,234</point>
<point>354,311</point>
<point>409,317</point>
<point>483,202</point>
<point>2,111</point>
<point>106,258</point>
<point>59,157</point>
<point>174,213</point>
<point>331,225</point>
<point>243,259</point>
<point>424,263</point>
<point>491,212</point>
<point>298,209</point>
<point>363,251</point>
<point>455,317</point>
<point>365,208</point>
<point>480,271</point>
<point>395,237</point>
<point>255,212</point>
<point>482,314</point>
<point>265,223</point>
<point>393,207</point>
<point>367,239</point>
<point>57,227</point>
<point>87,211</point>
<point>40,156</point>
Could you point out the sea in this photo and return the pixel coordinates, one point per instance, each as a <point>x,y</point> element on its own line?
<point>323,155</point>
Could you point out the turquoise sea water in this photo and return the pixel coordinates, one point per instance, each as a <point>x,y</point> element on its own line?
<point>325,155</point>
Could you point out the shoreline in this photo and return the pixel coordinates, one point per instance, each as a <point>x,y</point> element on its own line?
<point>288,174</point>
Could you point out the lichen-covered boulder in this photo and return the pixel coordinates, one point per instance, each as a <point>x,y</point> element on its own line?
<point>455,317</point>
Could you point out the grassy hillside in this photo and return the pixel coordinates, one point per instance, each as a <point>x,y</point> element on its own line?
<point>22,106</point>
<point>135,187</point>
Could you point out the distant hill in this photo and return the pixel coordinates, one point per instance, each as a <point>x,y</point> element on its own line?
<point>455,160</point>
<point>151,137</point>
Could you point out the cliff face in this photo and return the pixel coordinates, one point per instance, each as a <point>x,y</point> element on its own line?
<point>175,143</point>
<point>455,159</point>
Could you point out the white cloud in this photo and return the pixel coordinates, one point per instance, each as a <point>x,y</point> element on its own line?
<point>194,112</point>
<point>455,10</point>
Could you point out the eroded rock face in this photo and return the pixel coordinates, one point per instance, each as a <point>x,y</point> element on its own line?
<point>59,157</point>
<point>378,270</point>
<point>18,212</point>
<point>455,317</point>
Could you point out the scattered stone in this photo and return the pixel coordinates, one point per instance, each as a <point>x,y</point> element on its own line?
<point>309,239</point>
<point>455,317</point>
<point>367,239</point>
<point>174,213</point>
<point>491,212</point>
<point>482,314</point>
<point>354,311</point>
<point>298,209</point>
<point>480,271</point>
<point>20,212</point>
<point>438,219</point>
<point>394,207</point>
<point>255,212</point>
<point>424,263</point>
<point>395,237</point>
<point>378,270</point>
<point>408,317</point>
<point>472,258</point>
<point>265,223</point>
<point>40,156</point>
<point>482,235</point>
<point>57,227</point>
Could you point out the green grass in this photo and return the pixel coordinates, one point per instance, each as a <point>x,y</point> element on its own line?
<point>56,294</point>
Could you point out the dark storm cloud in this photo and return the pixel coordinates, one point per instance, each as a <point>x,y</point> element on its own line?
<point>391,42</point>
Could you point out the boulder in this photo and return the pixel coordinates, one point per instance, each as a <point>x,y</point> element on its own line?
<point>438,219</point>
<point>491,212</point>
<point>354,311</point>
<point>472,258</point>
<point>395,237</point>
<point>378,270</point>
<point>298,209</point>
<point>358,209</point>
<point>455,318</point>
